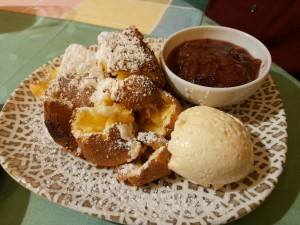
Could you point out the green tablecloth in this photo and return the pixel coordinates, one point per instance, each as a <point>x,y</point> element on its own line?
<point>27,42</point>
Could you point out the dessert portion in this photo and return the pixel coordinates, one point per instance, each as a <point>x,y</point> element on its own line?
<point>108,106</point>
<point>127,54</point>
<point>210,147</point>
<point>106,134</point>
<point>160,120</point>
<point>138,92</point>
<point>151,165</point>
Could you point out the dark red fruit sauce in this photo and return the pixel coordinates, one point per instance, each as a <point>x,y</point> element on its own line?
<point>213,63</point>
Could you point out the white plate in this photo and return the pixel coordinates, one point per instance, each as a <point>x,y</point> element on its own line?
<point>30,156</point>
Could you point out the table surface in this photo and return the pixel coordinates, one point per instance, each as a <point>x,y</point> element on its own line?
<point>32,32</point>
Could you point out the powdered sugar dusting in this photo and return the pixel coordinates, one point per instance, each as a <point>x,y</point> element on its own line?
<point>106,88</point>
<point>126,131</point>
<point>80,60</point>
<point>150,137</point>
<point>145,86</point>
<point>121,52</point>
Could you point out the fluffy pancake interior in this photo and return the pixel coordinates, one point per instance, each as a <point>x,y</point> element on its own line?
<point>96,119</point>
<point>120,75</point>
<point>39,88</point>
<point>156,120</point>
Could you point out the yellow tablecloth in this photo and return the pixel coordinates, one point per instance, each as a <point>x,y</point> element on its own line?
<point>147,15</point>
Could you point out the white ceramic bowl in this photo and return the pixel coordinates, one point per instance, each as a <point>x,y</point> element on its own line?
<point>210,96</point>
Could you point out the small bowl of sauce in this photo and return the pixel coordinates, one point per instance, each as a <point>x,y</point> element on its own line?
<point>215,66</point>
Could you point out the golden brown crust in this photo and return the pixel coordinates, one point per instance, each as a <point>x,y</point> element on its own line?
<point>152,139</point>
<point>173,109</point>
<point>57,116</point>
<point>136,50</point>
<point>72,92</point>
<point>154,168</point>
<point>132,31</point>
<point>152,68</point>
<point>161,121</point>
<point>106,150</point>
<point>138,92</point>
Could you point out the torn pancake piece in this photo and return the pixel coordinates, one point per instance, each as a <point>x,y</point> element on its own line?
<point>154,166</point>
<point>138,92</point>
<point>122,54</point>
<point>160,120</point>
<point>106,134</point>
<point>57,114</point>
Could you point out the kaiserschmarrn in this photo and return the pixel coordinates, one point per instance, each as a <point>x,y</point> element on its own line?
<point>109,106</point>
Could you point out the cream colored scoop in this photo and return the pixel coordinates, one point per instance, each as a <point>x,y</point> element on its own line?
<point>210,147</point>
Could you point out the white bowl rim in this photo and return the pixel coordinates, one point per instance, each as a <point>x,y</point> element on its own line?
<point>219,89</point>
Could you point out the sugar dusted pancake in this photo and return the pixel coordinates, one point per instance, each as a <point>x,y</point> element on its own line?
<point>108,106</point>
<point>125,53</point>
